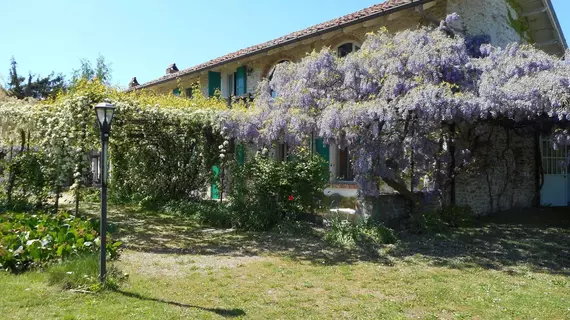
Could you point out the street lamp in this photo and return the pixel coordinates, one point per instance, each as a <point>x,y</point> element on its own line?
<point>104,112</point>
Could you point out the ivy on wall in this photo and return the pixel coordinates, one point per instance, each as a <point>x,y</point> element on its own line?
<point>520,24</point>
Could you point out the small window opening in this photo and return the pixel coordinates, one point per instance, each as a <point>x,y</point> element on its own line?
<point>344,49</point>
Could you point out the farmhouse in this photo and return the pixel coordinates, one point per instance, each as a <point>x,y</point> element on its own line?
<point>520,169</point>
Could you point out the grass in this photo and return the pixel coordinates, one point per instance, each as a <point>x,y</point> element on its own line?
<point>498,270</point>
<point>82,273</point>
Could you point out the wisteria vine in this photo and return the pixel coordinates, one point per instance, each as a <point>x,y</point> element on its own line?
<point>398,101</point>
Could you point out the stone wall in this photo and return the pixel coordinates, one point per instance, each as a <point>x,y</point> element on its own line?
<point>489,17</point>
<point>389,207</point>
<point>505,178</point>
<point>501,178</point>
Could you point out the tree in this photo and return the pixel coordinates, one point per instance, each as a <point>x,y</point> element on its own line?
<point>15,84</point>
<point>101,71</point>
<point>36,87</point>
<point>400,104</point>
<point>44,87</point>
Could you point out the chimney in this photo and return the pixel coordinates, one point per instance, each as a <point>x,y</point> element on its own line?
<point>171,69</point>
<point>133,83</point>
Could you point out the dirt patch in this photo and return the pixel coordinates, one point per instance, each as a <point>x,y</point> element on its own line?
<point>171,265</point>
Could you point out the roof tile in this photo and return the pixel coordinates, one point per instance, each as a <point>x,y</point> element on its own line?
<point>349,18</point>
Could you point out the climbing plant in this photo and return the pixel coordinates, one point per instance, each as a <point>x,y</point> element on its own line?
<point>520,24</point>
<point>411,107</point>
<point>158,150</point>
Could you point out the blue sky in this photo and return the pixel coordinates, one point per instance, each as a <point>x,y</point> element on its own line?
<point>141,38</point>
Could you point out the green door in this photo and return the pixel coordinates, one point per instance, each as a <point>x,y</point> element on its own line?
<point>241,81</point>
<point>240,154</point>
<point>214,82</point>
<point>322,149</point>
<point>214,190</point>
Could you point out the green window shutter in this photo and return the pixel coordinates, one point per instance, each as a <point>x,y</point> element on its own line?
<point>240,154</point>
<point>214,82</point>
<point>214,190</point>
<point>322,149</point>
<point>241,80</point>
<point>176,92</point>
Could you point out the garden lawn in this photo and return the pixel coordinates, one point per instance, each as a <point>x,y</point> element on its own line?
<point>498,270</point>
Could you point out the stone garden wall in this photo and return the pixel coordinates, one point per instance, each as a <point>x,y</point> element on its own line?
<point>501,178</point>
<point>506,178</point>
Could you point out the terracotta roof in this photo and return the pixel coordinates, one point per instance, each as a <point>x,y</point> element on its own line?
<point>352,18</point>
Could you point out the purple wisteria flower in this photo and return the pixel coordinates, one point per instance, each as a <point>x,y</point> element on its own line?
<point>393,102</point>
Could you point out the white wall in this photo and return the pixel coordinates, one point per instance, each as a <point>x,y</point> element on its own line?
<point>489,17</point>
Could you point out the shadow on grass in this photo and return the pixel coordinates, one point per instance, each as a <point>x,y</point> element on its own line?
<point>534,238</point>
<point>227,313</point>
<point>153,232</point>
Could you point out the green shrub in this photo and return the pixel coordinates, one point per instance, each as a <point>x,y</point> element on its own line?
<point>82,272</point>
<point>24,180</point>
<point>264,191</point>
<point>359,233</point>
<point>18,204</point>
<point>34,240</point>
<point>91,194</point>
<point>442,220</point>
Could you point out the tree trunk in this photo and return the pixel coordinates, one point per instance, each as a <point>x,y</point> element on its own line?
<point>438,176</point>
<point>80,168</point>
<point>401,188</point>
<point>22,148</point>
<point>537,169</point>
<point>451,167</point>
<point>57,193</point>
<point>77,204</point>
<point>11,177</point>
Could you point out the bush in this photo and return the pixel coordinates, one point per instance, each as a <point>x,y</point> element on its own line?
<point>91,194</point>
<point>18,204</point>
<point>359,233</point>
<point>442,220</point>
<point>34,240</point>
<point>82,273</point>
<point>24,180</point>
<point>264,191</point>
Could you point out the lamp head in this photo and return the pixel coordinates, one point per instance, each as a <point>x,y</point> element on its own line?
<point>105,112</point>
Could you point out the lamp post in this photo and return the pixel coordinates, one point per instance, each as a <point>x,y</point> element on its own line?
<point>104,112</point>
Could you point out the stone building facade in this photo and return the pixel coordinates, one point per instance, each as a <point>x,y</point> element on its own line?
<point>504,184</point>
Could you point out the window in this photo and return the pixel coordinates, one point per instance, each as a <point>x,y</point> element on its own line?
<point>272,72</point>
<point>231,85</point>
<point>344,168</point>
<point>189,92</point>
<point>282,152</point>
<point>344,49</point>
